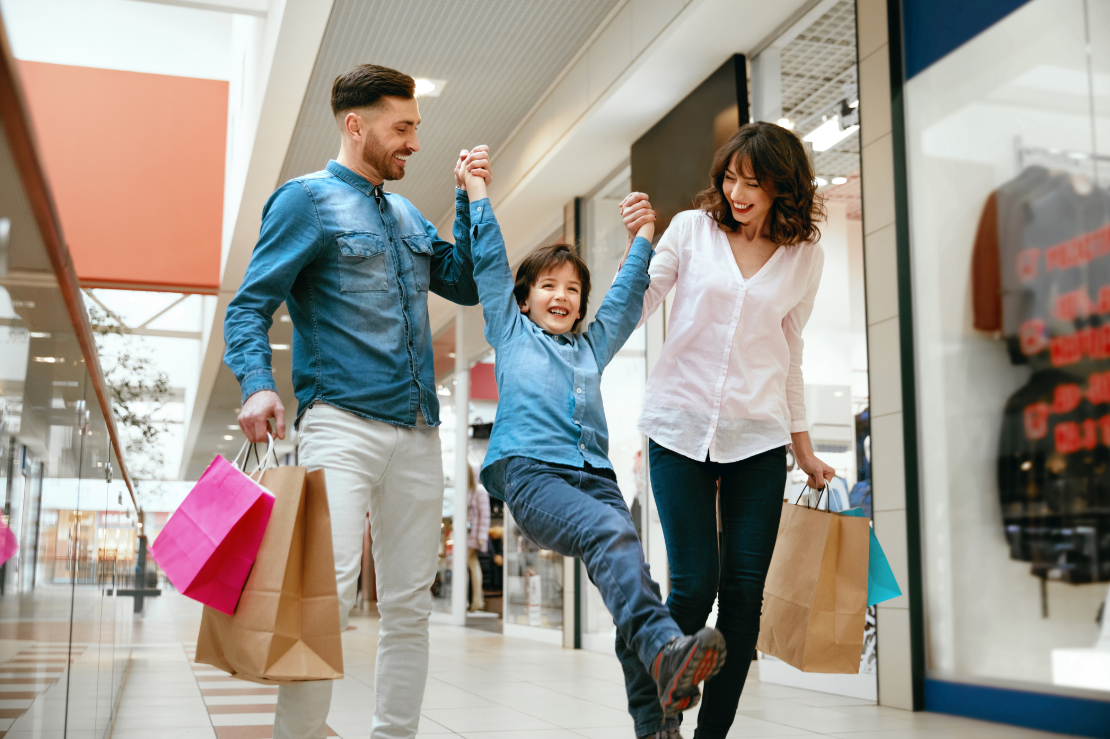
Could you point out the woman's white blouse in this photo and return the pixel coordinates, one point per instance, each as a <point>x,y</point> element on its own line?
<point>728,383</point>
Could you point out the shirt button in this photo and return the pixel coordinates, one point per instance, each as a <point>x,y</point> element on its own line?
<point>579,390</point>
<point>581,446</point>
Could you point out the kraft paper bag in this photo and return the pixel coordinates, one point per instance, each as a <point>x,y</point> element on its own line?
<point>208,546</point>
<point>881,584</point>
<point>286,628</point>
<point>815,596</point>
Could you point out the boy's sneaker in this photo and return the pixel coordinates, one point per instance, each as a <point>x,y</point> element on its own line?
<point>670,729</point>
<point>682,664</point>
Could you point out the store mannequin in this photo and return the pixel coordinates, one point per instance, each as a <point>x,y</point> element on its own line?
<point>477,537</point>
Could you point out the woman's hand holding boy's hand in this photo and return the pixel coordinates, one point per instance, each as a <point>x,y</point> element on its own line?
<point>639,218</point>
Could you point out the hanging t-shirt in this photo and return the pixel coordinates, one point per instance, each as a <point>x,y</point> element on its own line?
<point>1041,277</point>
<point>1053,465</point>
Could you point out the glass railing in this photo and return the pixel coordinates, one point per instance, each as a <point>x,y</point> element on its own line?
<point>64,628</point>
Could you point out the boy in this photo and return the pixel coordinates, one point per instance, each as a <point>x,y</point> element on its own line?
<point>548,454</point>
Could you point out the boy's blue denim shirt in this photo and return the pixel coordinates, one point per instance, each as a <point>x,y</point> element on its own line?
<point>354,265</point>
<point>549,387</point>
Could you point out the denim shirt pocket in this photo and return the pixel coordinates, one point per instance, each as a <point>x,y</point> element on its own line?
<point>363,264</point>
<point>421,247</point>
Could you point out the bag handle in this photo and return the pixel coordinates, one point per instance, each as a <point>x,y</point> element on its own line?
<point>262,463</point>
<point>244,453</point>
<point>820,493</point>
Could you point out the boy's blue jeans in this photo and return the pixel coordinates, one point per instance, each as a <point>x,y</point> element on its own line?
<point>580,513</point>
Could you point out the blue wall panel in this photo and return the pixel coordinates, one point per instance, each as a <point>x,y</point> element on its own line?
<point>932,28</point>
<point>1043,711</point>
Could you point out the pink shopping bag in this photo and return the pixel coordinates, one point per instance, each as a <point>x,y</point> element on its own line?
<point>209,545</point>
<point>8,545</point>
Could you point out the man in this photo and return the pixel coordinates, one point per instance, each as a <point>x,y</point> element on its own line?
<point>354,264</point>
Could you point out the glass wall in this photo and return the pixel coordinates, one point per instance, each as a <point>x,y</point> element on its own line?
<point>64,630</point>
<point>1008,142</point>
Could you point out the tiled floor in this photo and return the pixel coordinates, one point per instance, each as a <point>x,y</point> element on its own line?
<point>485,686</point>
<point>480,686</point>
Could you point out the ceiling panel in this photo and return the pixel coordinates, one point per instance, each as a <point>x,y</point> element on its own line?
<point>497,58</point>
<point>816,66</point>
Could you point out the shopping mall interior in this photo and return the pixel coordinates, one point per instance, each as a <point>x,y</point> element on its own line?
<point>142,140</point>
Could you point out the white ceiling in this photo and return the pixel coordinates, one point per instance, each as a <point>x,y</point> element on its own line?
<point>121,34</point>
<point>497,58</point>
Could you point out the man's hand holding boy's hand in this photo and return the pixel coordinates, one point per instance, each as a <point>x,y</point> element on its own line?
<point>639,218</point>
<point>460,168</point>
<point>476,171</point>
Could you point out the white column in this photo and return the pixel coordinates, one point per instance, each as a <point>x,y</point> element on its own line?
<point>767,85</point>
<point>459,572</point>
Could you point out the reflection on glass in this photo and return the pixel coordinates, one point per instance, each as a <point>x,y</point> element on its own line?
<point>1010,217</point>
<point>533,581</point>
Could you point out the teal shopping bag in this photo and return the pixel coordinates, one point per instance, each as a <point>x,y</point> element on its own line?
<point>881,584</point>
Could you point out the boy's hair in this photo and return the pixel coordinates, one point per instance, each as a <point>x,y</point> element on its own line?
<point>365,86</point>
<point>547,258</point>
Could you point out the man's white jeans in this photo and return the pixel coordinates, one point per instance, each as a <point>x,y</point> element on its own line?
<point>397,474</point>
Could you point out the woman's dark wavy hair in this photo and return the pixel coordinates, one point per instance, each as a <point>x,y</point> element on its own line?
<point>547,258</point>
<point>778,161</point>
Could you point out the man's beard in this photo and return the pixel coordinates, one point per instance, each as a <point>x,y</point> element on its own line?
<point>382,162</point>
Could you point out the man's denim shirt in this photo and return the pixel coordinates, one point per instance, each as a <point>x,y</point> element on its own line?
<point>549,386</point>
<point>355,271</point>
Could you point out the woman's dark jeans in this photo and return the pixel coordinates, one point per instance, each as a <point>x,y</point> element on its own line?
<point>732,572</point>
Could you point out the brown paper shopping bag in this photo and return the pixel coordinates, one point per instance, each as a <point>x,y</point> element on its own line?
<point>815,596</point>
<point>286,627</point>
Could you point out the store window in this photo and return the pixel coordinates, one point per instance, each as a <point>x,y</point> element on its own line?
<point>622,390</point>
<point>807,81</point>
<point>1008,141</point>
<point>484,593</point>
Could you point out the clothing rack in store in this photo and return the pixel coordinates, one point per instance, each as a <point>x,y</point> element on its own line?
<point>1066,158</point>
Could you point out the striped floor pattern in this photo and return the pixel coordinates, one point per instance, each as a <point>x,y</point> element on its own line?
<point>28,674</point>
<point>238,709</point>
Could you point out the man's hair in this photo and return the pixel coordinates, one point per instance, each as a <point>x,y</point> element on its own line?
<point>547,258</point>
<point>365,86</point>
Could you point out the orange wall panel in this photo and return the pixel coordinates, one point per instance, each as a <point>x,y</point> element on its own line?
<point>136,165</point>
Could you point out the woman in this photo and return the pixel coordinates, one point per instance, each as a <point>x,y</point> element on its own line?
<point>477,537</point>
<point>727,395</point>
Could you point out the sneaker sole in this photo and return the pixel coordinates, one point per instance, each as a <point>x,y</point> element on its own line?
<point>704,660</point>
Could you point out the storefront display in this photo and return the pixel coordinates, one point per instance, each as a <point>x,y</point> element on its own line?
<point>1010,245</point>
<point>1041,280</point>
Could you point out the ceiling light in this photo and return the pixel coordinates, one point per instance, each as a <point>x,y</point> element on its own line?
<point>452,355</point>
<point>285,319</point>
<point>279,347</point>
<point>427,88</point>
<point>839,181</point>
<point>228,437</point>
<point>233,427</point>
<point>441,390</point>
<point>821,181</point>
<point>786,123</point>
<point>40,335</point>
<point>48,360</point>
<point>828,134</point>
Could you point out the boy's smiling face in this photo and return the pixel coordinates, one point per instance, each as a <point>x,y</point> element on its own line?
<point>554,300</point>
